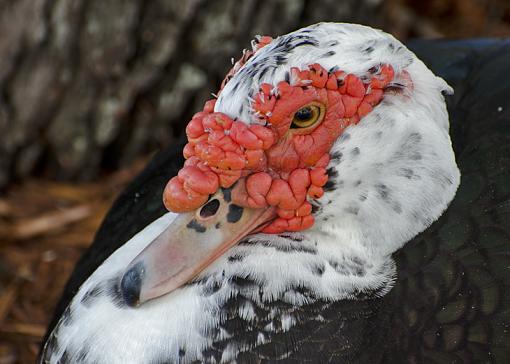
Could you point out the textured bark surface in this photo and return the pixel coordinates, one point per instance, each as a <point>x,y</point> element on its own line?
<point>91,84</point>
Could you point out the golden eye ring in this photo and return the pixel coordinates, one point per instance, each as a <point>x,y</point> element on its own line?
<point>308,115</point>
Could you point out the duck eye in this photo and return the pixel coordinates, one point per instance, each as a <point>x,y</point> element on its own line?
<point>307,116</point>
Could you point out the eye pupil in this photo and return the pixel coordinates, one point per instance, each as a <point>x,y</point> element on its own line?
<point>304,113</point>
<point>307,116</point>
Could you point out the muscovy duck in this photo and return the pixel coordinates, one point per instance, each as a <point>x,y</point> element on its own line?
<point>260,266</point>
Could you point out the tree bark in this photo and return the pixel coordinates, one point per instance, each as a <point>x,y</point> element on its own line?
<point>92,84</point>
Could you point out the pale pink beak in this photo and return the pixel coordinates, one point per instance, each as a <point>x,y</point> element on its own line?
<point>191,243</point>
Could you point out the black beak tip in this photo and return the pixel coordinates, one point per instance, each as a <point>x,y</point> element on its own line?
<point>131,284</point>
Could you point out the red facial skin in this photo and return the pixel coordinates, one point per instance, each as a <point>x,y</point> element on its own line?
<point>274,164</point>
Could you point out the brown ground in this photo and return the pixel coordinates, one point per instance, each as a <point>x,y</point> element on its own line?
<point>45,226</point>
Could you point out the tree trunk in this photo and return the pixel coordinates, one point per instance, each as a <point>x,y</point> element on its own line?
<point>92,84</point>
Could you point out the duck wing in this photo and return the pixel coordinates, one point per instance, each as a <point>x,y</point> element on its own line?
<point>451,302</point>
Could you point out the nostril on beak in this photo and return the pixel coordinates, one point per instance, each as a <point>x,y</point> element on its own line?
<point>210,208</point>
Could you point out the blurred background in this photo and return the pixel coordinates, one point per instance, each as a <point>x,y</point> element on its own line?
<point>90,89</point>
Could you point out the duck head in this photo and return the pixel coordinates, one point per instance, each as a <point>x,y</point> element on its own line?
<point>334,132</point>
